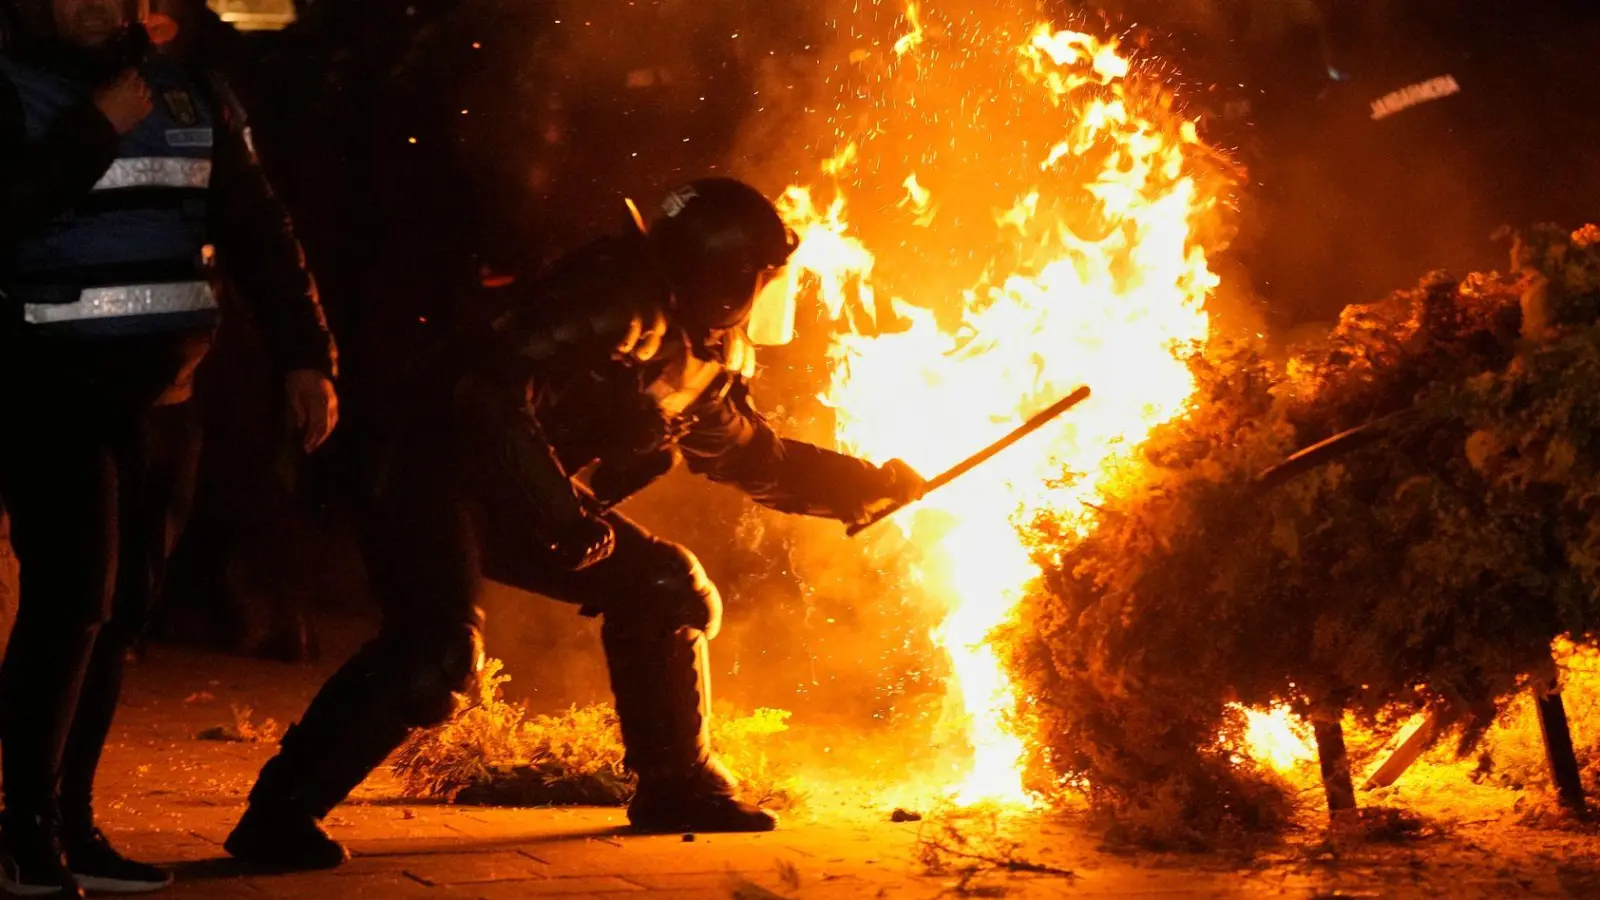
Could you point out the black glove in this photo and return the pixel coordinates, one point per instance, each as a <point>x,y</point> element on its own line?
<point>902,484</point>
<point>897,484</point>
<point>581,542</point>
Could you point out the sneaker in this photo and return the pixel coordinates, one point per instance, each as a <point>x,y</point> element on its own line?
<point>291,643</point>
<point>32,864</point>
<point>99,867</point>
<point>279,839</point>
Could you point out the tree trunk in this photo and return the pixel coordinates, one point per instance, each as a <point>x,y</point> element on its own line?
<point>1558,749</point>
<point>1335,763</point>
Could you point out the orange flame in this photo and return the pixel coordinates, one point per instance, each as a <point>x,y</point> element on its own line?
<point>1277,739</point>
<point>1085,269</point>
<point>912,39</point>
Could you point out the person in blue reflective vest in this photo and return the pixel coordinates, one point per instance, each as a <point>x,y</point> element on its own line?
<point>125,175</point>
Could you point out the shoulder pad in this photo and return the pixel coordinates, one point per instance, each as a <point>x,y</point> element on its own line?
<point>587,308</point>
<point>603,255</point>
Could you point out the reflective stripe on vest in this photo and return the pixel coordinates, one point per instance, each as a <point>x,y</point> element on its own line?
<point>156,171</point>
<point>126,300</point>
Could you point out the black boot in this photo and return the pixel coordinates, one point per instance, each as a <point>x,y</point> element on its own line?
<point>32,863</point>
<point>356,720</point>
<point>663,696</point>
<point>700,801</point>
<point>296,789</point>
<point>279,838</point>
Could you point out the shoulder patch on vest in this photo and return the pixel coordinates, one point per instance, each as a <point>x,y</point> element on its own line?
<point>180,106</point>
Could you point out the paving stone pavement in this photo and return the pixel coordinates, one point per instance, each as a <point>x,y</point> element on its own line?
<point>169,797</point>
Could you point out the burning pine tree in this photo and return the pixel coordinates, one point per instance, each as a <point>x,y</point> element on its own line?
<point>1431,567</point>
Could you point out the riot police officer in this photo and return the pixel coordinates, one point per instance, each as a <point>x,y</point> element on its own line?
<point>121,169</point>
<point>628,357</point>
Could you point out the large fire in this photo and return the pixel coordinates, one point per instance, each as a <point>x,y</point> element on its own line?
<point>1010,212</point>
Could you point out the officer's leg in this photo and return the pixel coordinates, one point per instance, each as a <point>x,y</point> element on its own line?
<point>60,485</point>
<point>421,565</point>
<point>659,611</point>
<point>656,633</point>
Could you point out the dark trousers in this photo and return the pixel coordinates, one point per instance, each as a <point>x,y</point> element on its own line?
<point>97,493</point>
<point>446,512</point>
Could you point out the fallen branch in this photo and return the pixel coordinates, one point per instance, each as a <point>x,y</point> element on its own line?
<point>968,844</point>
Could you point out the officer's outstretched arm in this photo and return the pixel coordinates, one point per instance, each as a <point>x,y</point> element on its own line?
<point>732,443</point>
<point>256,246</point>
<point>41,179</point>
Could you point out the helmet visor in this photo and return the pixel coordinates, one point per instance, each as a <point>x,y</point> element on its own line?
<point>772,316</point>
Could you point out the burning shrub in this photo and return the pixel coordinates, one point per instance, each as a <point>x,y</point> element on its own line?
<point>1431,566</point>
<point>492,753</point>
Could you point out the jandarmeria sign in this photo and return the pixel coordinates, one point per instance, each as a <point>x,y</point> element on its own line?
<point>1413,95</point>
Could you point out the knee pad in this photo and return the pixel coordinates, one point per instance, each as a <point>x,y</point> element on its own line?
<point>675,592</point>
<point>437,668</point>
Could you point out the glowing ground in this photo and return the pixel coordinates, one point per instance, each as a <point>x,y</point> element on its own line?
<point>169,797</point>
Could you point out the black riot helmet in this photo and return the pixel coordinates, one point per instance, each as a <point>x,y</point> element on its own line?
<point>718,241</point>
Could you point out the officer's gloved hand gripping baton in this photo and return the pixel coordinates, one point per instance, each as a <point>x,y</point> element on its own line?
<point>1039,420</point>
